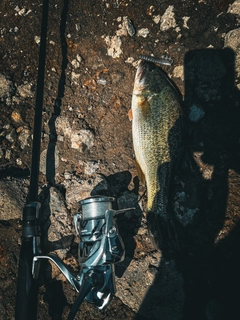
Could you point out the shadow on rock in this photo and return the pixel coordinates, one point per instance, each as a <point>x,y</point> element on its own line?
<point>54,294</point>
<point>198,282</point>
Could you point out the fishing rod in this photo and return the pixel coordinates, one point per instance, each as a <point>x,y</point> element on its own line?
<point>27,286</point>
<point>100,245</point>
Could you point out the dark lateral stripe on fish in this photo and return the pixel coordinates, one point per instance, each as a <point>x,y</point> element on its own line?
<point>165,60</point>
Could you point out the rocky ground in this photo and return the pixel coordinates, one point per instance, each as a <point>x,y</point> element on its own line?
<point>92,53</point>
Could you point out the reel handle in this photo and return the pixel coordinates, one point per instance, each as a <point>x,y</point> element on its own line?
<point>91,279</point>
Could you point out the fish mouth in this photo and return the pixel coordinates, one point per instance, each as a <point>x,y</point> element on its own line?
<point>143,71</point>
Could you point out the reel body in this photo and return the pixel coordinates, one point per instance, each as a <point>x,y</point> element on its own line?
<point>100,246</point>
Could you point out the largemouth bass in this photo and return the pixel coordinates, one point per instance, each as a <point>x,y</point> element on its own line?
<point>157,139</point>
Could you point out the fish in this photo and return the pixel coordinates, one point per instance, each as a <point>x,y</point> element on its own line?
<point>157,132</point>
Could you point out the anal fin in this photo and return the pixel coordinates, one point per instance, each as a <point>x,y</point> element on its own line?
<point>141,175</point>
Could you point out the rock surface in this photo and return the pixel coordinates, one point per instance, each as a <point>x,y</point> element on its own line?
<point>92,54</point>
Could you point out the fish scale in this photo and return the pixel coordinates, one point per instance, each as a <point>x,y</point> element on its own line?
<point>157,133</point>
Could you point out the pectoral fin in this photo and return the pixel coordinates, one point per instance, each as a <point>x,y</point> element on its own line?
<point>130,115</point>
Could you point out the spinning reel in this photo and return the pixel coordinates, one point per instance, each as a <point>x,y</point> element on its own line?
<point>100,247</point>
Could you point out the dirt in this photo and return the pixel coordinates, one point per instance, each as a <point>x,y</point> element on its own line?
<point>87,94</point>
